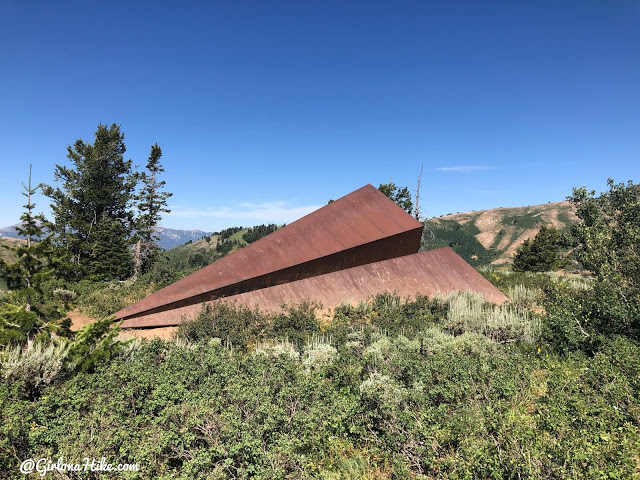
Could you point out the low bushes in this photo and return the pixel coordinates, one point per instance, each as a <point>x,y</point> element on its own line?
<point>443,388</point>
<point>434,406</point>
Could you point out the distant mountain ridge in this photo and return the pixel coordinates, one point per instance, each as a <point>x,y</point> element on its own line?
<point>169,237</point>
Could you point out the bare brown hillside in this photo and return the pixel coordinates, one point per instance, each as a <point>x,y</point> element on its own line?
<point>6,254</point>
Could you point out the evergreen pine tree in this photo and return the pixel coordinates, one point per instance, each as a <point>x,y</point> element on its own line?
<point>543,253</point>
<point>110,256</point>
<point>21,323</point>
<point>93,201</point>
<point>151,203</point>
<point>33,258</point>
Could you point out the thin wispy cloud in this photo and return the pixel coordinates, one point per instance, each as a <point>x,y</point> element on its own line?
<point>465,168</point>
<point>274,212</point>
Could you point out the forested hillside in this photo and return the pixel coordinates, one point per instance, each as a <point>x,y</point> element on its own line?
<point>491,237</point>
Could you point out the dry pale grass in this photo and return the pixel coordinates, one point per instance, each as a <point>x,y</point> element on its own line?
<point>489,223</point>
<point>469,313</point>
<point>506,239</point>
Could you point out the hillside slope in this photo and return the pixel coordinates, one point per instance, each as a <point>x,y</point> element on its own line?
<point>168,237</point>
<point>8,255</point>
<point>492,236</point>
<point>202,252</point>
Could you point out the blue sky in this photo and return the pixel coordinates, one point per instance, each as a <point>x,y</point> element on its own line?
<point>266,109</point>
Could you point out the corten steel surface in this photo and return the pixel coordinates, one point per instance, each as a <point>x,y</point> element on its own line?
<point>359,228</point>
<point>426,273</point>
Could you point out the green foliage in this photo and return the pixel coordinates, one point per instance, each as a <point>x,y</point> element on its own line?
<point>235,325</point>
<point>180,258</point>
<point>400,195</point>
<point>391,388</point>
<point>434,406</point>
<point>297,324</point>
<point>508,280</point>
<point>257,232</point>
<point>567,323</point>
<point>110,257</point>
<point>606,243</point>
<point>100,299</point>
<point>201,253</point>
<point>7,254</point>
<point>17,325</point>
<point>228,232</point>
<point>524,220</point>
<point>240,327</point>
<point>460,237</point>
<point>92,202</point>
<point>224,247</point>
<point>25,316</point>
<point>95,344</point>
<point>543,253</point>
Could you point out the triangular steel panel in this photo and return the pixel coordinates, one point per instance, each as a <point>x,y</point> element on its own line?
<point>359,228</point>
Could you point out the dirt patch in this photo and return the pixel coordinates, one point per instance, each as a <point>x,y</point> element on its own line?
<point>489,224</point>
<point>79,320</point>
<point>550,215</point>
<point>165,333</point>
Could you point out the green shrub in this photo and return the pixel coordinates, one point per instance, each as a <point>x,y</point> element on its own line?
<point>233,324</point>
<point>436,406</point>
<point>606,243</point>
<point>35,367</point>
<point>298,323</point>
<point>469,312</point>
<point>392,389</point>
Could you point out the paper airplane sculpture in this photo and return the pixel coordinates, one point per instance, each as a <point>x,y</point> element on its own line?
<point>345,252</point>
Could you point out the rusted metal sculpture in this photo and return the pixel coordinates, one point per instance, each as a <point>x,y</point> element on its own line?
<point>359,228</point>
<point>345,252</point>
<point>429,273</point>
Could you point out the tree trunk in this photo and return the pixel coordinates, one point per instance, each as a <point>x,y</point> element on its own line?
<point>136,268</point>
